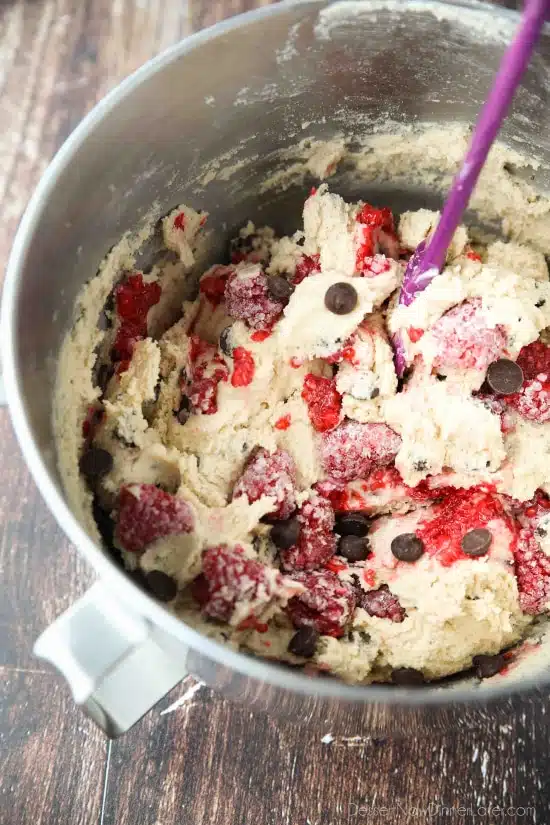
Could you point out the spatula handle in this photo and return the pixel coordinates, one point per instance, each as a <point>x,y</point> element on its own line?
<point>512,68</point>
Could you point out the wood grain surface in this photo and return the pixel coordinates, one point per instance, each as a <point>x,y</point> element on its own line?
<point>204,760</point>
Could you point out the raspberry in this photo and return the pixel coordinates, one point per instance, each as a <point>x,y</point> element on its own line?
<point>317,542</point>
<point>247,297</point>
<point>532,568</point>
<point>473,256</point>
<point>352,449</point>
<point>534,359</point>
<point>306,266</point>
<point>133,299</point>
<point>212,283</point>
<point>207,370</point>
<point>465,341</point>
<point>146,514</point>
<point>533,400</point>
<point>229,579</point>
<point>327,603</point>
<point>323,400</point>
<point>269,474</point>
<point>458,513</point>
<point>382,604</point>
<point>243,367</point>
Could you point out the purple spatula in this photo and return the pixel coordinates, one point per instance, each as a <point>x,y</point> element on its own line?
<point>429,258</point>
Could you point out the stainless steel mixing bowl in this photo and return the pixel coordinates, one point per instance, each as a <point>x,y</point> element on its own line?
<point>247,85</point>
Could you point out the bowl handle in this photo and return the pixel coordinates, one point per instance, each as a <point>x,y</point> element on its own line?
<point>117,664</point>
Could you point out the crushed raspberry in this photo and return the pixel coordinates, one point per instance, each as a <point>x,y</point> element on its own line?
<point>363,494</point>
<point>335,565</point>
<point>247,297</point>
<point>252,623</point>
<point>532,568</point>
<point>133,299</point>
<point>179,221</point>
<point>243,367</point>
<point>306,266</point>
<point>375,265</point>
<point>327,603</point>
<point>465,341</point>
<point>534,359</point>
<point>317,542</point>
<point>212,283</point>
<point>528,512</point>
<point>369,577</point>
<point>295,363</point>
<point>352,449</point>
<point>269,474</point>
<point>376,218</point>
<point>229,578</point>
<point>283,423</point>
<point>207,370</point>
<point>473,256</point>
<point>458,513</point>
<point>260,335</point>
<point>347,353</point>
<point>533,400</point>
<point>415,334</point>
<point>323,400</point>
<point>146,514</point>
<point>375,229</point>
<point>382,604</point>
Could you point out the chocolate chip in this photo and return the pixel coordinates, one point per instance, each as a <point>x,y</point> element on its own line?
<point>353,548</point>
<point>279,288</point>
<point>540,303</point>
<point>504,376</point>
<point>476,542</point>
<point>375,393</point>
<point>341,298</point>
<point>487,666</point>
<point>407,547</point>
<point>225,341</point>
<point>285,534</point>
<point>352,524</point>
<point>95,462</point>
<point>304,642</point>
<point>184,411</point>
<point>162,586</point>
<point>407,676</point>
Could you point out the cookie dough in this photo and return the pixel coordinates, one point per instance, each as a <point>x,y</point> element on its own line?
<point>255,461</point>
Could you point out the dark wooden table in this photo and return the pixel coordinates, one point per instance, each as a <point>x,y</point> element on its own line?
<point>206,761</point>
